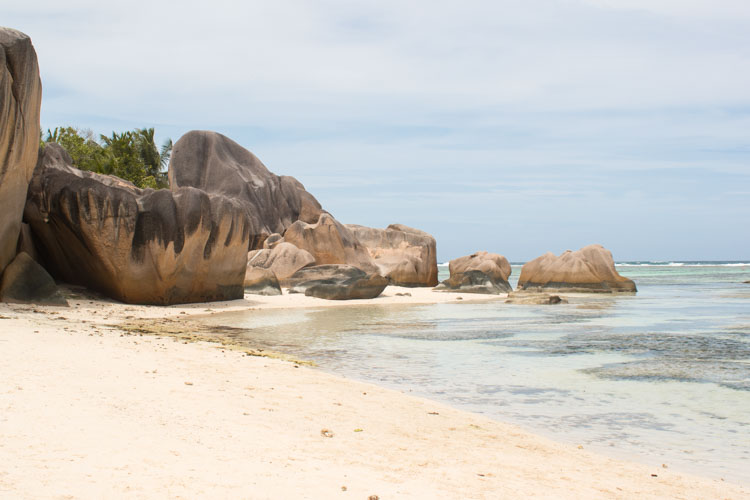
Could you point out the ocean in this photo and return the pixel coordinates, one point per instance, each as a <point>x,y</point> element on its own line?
<point>660,377</point>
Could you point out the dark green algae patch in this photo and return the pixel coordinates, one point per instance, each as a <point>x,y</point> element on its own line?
<point>185,330</point>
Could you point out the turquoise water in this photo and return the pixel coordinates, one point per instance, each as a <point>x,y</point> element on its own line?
<point>662,377</point>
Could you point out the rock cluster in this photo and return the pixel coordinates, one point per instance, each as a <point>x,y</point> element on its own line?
<point>333,251</point>
<point>590,269</point>
<point>226,225</point>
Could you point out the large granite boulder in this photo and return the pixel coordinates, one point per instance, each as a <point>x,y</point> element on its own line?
<point>493,265</point>
<point>25,281</point>
<point>259,281</point>
<point>590,269</point>
<point>216,164</point>
<point>338,282</point>
<point>480,272</point>
<point>284,259</point>
<point>296,282</point>
<point>330,242</point>
<point>404,255</point>
<point>20,101</point>
<point>135,245</point>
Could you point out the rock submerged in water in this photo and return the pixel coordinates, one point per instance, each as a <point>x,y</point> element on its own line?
<point>20,102</point>
<point>216,164</point>
<point>136,245</point>
<point>530,298</point>
<point>590,269</point>
<point>337,282</point>
<point>25,281</point>
<point>480,272</point>
<point>404,255</point>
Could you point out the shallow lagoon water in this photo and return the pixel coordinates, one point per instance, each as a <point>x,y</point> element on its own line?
<point>659,377</point>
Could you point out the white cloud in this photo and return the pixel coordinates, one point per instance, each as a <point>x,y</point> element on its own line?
<point>496,94</point>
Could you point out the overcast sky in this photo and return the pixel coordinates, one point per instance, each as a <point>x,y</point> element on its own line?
<point>517,127</point>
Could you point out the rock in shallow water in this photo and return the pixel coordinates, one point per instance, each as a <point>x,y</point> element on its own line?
<point>25,281</point>
<point>136,245</point>
<point>590,269</point>
<point>20,101</point>
<point>528,298</point>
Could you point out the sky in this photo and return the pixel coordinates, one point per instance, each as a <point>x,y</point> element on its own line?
<point>512,126</point>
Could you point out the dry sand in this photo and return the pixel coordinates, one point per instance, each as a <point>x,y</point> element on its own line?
<point>87,411</point>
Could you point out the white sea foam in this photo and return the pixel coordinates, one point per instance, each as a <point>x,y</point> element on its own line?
<point>683,264</point>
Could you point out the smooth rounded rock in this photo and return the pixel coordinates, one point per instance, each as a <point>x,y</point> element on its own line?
<point>404,255</point>
<point>480,272</point>
<point>337,282</point>
<point>284,259</point>
<point>590,269</point>
<point>493,265</point>
<point>330,242</point>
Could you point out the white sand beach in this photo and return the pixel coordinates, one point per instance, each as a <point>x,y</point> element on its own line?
<point>90,411</point>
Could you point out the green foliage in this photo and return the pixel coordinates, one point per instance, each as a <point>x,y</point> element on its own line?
<point>130,155</point>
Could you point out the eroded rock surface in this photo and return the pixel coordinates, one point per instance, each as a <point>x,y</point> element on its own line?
<point>473,282</point>
<point>261,281</point>
<point>480,272</point>
<point>135,245</point>
<point>330,242</point>
<point>216,164</point>
<point>404,255</point>
<point>590,269</point>
<point>20,101</point>
<point>337,282</point>
<point>493,265</point>
<point>25,281</point>
<point>284,259</point>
